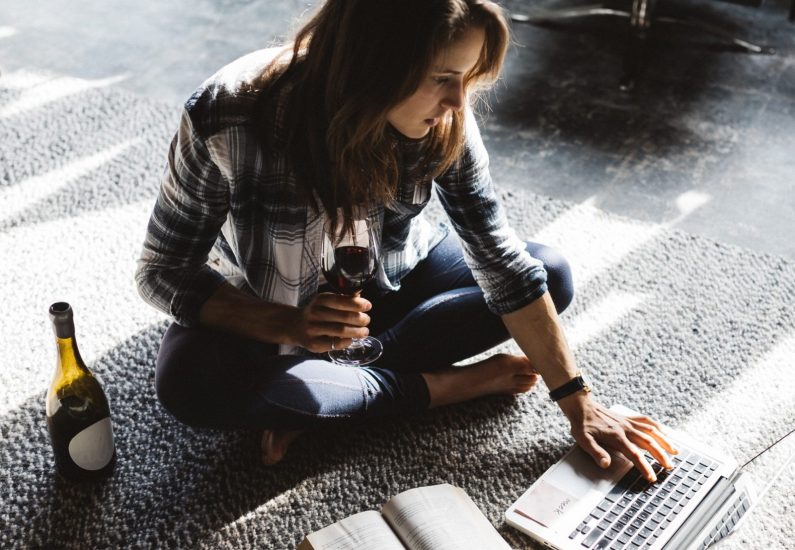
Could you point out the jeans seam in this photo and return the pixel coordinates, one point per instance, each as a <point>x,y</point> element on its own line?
<point>311,414</point>
<point>318,381</point>
<point>450,298</point>
<point>304,413</point>
<point>363,386</point>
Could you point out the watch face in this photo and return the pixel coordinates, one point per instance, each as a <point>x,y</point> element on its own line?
<point>586,380</point>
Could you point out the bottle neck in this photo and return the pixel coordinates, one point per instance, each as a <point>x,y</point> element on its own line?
<point>63,326</point>
<point>69,365</point>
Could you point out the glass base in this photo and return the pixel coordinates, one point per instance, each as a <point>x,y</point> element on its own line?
<point>361,352</point>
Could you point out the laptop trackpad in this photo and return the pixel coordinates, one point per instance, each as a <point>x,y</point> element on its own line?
<point>575,478</point>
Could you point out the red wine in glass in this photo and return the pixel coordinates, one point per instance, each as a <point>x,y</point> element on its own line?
<point>349,259</point>
<point>353,268</point>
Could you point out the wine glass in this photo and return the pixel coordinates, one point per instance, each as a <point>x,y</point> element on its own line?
<point>349,259</point>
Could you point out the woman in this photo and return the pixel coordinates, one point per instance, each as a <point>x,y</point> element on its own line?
<point>371,106</point>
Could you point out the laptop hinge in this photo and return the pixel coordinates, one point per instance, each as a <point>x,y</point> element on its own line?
<point>693,525</point>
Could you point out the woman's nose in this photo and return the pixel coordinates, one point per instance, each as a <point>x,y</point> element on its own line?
<point>454,99</point>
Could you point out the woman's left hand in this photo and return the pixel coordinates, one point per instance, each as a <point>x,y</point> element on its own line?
<point>598,429</point>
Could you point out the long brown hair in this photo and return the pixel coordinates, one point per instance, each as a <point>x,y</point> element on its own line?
<point>354,61</point>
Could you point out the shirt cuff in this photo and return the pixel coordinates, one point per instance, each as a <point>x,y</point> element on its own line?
<point>517,293</point>
<point>187,303</point>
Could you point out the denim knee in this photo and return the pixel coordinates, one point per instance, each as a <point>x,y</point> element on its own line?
<point>173,377</point>
<point>559,277</point>
<point>167,385</point>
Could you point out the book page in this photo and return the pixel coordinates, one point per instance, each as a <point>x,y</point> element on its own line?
<point>441,517</point>
<point>362,531</point>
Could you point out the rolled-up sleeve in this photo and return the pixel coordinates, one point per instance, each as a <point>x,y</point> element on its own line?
<point>509,277</point>
<point>172,274</point>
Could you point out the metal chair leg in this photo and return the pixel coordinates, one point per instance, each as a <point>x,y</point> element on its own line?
<point>642,11</point>
<point>635,53</point>
<point>641,16</point>
<point>542,16</point>
<point>719,32</point>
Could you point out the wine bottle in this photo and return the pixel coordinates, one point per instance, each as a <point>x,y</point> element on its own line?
<point>78,414</point>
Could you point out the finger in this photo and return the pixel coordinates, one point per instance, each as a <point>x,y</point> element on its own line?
<point>343,343</point>
<point>645,420</point>
<point>329,315</point>
<point>337,330</point>
<point>599,454</point>
<point>658,436</point>
<point>343,302</point>
<point>635,455</point>
<point>325,343</point>
<point>338,343</point>
<point>648,443</point>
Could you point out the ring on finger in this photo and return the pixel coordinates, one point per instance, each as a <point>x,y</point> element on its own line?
<point>332,343</point>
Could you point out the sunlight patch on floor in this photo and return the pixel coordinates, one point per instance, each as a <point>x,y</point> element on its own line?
<point>600,317</point>
<point>261,512</point>
<point>87,260</point>
<point>595,242</point>
<point>17,198</point>
<point>762,392</point>
<point>42,90</point>
<point>688,202</point>
<point>24,79</point>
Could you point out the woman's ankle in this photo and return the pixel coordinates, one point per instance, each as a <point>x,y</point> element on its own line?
<point>500,374</point>
<point>274,444</point>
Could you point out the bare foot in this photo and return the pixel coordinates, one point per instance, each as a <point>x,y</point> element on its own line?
<point>507,374</point>
<point>500,374</point>
<point>274,445</point>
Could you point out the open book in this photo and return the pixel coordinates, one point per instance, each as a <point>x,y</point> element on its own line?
<point>438,517</point>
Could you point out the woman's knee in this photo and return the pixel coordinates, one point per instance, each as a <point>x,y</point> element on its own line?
<point>173,379</point>
<point>559,277</point>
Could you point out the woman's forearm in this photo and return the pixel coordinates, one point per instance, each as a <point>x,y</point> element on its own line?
<point>232,310</point>
<point>538,332</point>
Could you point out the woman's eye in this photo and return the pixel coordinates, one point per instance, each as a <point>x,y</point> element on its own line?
<point>440,79</point>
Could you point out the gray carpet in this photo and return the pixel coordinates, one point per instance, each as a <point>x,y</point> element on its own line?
<point>696,333</point>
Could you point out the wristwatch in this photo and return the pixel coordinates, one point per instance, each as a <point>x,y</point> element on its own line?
<point>579,382</point>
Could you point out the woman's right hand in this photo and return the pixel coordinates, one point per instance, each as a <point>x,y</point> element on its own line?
<point>331,321</point>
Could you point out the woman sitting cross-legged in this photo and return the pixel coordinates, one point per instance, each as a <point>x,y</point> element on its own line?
<point>353,126</point>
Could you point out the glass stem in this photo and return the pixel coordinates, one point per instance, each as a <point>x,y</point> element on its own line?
<point>357,343</point>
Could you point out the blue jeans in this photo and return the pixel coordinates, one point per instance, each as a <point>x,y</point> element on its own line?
<point>208,378</point>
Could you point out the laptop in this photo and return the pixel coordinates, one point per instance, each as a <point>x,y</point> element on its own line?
<point>576,504</point>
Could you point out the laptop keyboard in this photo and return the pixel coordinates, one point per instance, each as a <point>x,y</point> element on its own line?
<point>635,513</point>
<point>730,519</point>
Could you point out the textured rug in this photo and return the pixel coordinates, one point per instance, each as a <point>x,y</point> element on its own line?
<point>694,332</point>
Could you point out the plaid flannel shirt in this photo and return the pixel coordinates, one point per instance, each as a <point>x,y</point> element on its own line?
<point>228,211</point>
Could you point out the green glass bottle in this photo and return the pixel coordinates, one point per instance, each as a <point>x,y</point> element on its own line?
<point>78,414</point>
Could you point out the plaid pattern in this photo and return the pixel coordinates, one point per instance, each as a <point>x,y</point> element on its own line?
<point>226,210</point>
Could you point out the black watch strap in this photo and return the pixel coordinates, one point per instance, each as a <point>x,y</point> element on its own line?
<point>572,386</point>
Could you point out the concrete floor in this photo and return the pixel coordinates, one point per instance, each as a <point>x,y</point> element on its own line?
<point>705,143</point>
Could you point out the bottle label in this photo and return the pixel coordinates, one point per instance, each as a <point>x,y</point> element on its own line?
<point>92,448</point>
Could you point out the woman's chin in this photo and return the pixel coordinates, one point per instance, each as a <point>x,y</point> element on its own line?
<point>421,134</point>
<point>414,132</point>
<point>417,133</point>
